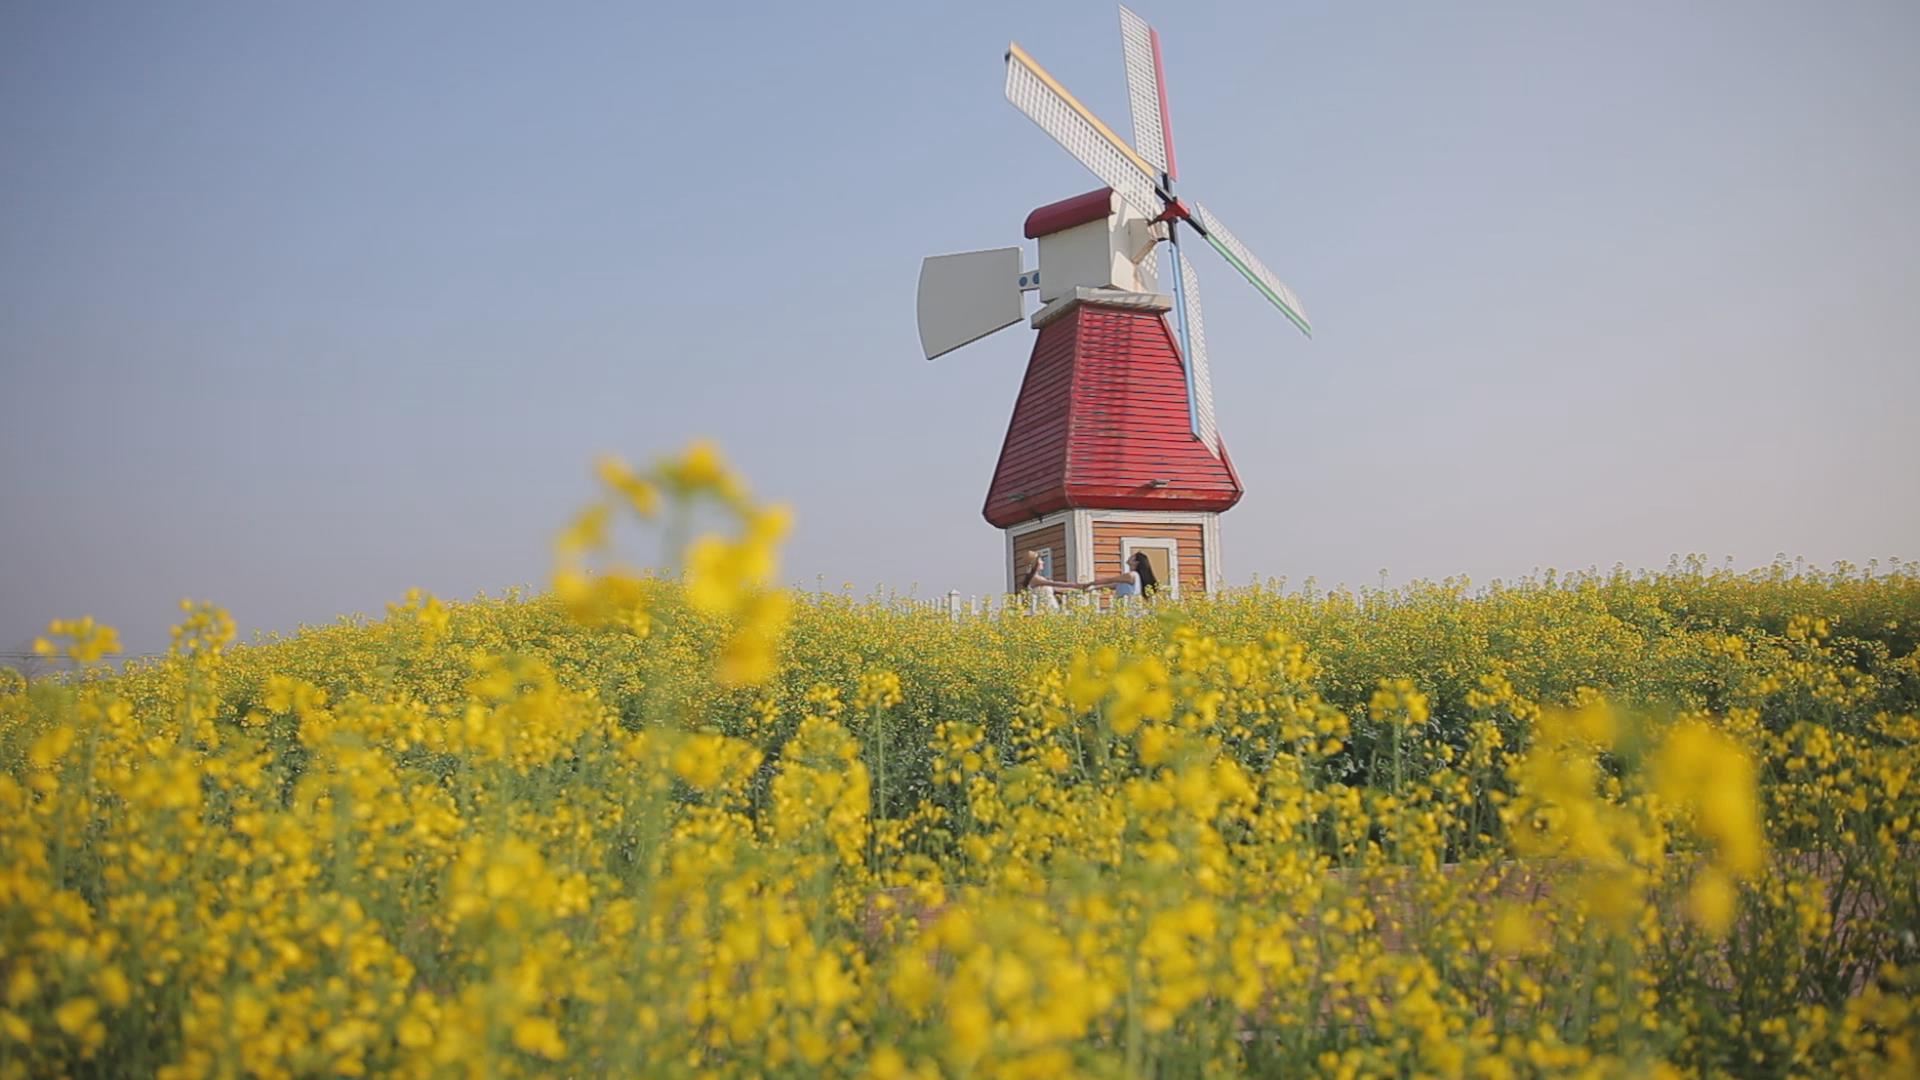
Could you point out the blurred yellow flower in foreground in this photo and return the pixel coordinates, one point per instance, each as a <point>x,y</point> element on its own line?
<point>1566,828</point>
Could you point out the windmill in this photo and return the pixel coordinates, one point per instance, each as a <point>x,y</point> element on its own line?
<point>1112,447</point>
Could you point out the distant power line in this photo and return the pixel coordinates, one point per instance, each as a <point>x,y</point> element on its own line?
<point>59,656</point>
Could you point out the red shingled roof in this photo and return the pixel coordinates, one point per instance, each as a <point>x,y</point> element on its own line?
<point>1101,416</point>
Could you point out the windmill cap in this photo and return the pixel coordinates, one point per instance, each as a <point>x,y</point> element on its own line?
<point>1065,214</point>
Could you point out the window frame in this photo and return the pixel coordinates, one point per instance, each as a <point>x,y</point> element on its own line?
<point>1130,544</point>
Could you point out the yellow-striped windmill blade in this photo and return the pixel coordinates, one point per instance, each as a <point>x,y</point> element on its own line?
<point>1073,126</point>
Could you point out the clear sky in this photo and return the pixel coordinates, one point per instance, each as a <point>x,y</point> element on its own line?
<point>304,305</point>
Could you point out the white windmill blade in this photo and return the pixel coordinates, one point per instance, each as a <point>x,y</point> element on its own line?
<point>1243,260</point>
<point>1147,91</point>
<point>1196,344</point>
<point>963,298</point>
<point>1073,126</point>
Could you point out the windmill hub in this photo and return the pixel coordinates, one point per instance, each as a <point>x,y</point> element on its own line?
<point>1112,449</point>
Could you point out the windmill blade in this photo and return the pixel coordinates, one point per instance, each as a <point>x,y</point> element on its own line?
<point>1199,383</point>
<point>1243,260</point>
<point>1147,92</point>
<point>1073,126</point>
<point>964,297</point>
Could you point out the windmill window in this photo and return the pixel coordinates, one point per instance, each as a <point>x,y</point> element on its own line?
<point>1163,554</point>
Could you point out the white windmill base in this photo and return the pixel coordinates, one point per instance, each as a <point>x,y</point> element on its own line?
<point>1114,298</point>
<point>1079,545</point>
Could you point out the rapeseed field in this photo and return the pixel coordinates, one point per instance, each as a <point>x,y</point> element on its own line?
<point>690,825</point>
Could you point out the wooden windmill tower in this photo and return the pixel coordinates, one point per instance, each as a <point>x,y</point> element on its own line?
<point>1112,448</point>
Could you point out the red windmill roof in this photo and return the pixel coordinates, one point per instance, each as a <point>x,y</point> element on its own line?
<point>1102,423</point>
<point>1067,213</point>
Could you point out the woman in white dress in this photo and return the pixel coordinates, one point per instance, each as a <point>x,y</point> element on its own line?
<point>1042,585</point>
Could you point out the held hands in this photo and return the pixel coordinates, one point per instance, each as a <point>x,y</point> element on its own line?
<point>1070,586</point>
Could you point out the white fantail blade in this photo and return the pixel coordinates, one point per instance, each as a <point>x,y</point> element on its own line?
<point>1073,126</point>
<point>1147,91</point>
<point>965,297</point>
<point>1196,343</point>
<point>1249,265</point>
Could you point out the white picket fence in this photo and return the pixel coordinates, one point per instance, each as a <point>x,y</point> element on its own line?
<point>957,607</point>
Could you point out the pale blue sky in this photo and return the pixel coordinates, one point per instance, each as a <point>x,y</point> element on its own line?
<point>303,305</point>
